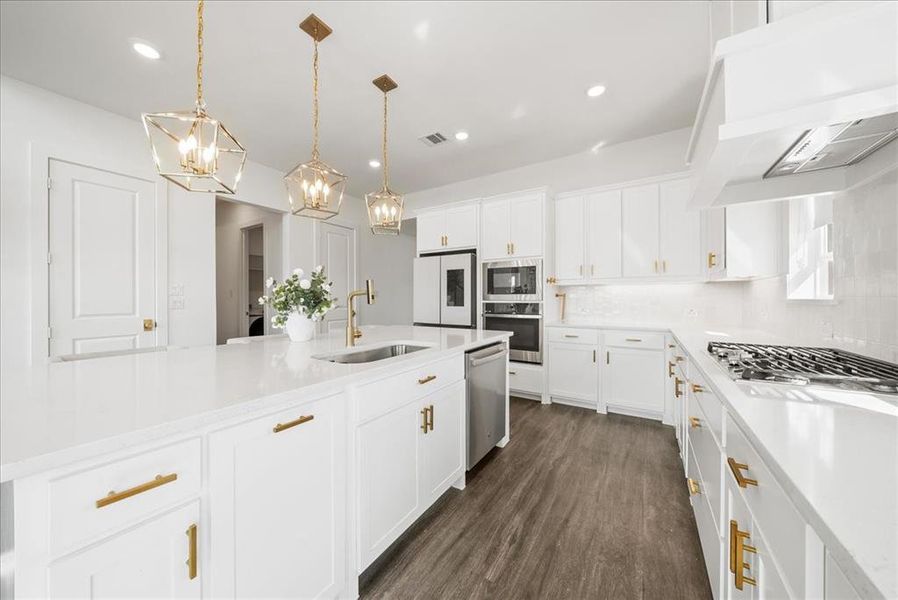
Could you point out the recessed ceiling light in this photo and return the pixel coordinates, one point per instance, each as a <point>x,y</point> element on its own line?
<point>373,163</point>
<point>146,50</point>
<point>595,91</point>
<point>461,135</point>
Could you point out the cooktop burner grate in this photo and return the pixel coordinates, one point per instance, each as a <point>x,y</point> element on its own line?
<point>803,365</point>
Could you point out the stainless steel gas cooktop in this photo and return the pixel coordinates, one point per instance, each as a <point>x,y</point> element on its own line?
<point>803,366</point>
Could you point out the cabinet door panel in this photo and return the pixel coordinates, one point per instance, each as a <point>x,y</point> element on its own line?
<point>461,226</point>
<point>639,215</point>
<point>526,226</point>
<point>569,238</point>
<point>442,447</point>
<point>680,242</point>
<point>279,511</point>
<point>573,372</point>
<point>147,561</point>
<point>714,258</point>
<point>430,231</point>
<point>634,379</point>
<point>603,222</point>
<point>494,229</point>
<point>425,293</point>
<point>388,463</point>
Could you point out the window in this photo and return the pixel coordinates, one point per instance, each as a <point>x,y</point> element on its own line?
<point>810,249</point>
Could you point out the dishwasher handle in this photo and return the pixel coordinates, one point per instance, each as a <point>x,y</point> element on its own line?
<point>476,361</point>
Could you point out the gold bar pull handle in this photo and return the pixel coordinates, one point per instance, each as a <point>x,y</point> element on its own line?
<point>593,356</point>
<point>694,488</point>
<point>427,379</point>
<point>191,551</point>
<point>736,468</point>
<point>114,496</point>
<point>670,368</point>
<point>282,426</point>
<point>634,339</point>
<point>607,357</point>
<point>664,266</point>
<point>677,383</point>
<point>430,417</point>
<point>695,422</point>
<point>697,389</point>
<point>424,421</point>
<point>738,548</point>
<point>712,260</point>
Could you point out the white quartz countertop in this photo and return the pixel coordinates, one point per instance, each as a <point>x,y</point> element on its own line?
<point>54,414</point>
<point>835,453</point>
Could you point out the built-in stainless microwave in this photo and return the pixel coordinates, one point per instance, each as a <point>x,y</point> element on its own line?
<point>513,281</point>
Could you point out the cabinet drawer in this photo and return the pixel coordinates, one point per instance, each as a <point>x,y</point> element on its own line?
<point>779,522</point>
<point>570,335</point>
<point>710,462</point>
<point>712,547</point>
<point>387,394</point>
<point>525,379</point>
<point>699,393</point>
<point>83,507</point>
<point>635,339</point>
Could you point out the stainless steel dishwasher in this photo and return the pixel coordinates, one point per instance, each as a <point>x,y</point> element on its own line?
<point>485,372</point>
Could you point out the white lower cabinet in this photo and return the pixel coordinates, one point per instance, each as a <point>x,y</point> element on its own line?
<point>712,547</point>
<point>278,485</point>
<point>573,373</point>
<point>157,559</point>
<point>633,381</point>
<point>442,445</point>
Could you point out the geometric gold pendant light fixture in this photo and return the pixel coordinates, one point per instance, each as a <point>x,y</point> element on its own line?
<point>314,188</point>
<point>192,149</point>
<point>384,205</point>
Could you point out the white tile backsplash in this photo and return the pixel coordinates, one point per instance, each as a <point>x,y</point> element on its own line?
<point>863,317</point>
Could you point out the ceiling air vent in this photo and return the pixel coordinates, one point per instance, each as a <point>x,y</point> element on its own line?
<point>433,139</point>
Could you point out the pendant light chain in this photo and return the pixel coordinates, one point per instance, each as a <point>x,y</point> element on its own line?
<point>385,141</point>
<point>200,103</point>
<point>315,155</point>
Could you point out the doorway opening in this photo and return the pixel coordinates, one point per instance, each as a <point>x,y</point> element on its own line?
<point>253,284</point>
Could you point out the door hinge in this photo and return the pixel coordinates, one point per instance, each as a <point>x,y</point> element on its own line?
<point>49,183</point>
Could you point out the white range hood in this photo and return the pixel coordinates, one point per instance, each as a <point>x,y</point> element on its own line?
<point>806,106</point>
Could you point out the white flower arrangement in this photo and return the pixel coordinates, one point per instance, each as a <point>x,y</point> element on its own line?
<point>296,294</point>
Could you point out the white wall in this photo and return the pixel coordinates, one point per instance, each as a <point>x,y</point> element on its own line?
<point>388,260</point>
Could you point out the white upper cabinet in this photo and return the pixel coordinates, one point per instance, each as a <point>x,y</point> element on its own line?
<point>743,241</point>
<point>603,234</point>
<point>447,228</point>
<point>639,216</point>
<point>512,226</point>
<point>570,241</point>
<point>680,231</point>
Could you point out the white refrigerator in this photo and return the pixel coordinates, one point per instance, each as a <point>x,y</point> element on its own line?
<point>444,291</point>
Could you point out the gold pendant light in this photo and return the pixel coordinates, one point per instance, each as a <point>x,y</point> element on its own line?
<point>315,189</point>
<point>384,206</point>
<point>191,148</point>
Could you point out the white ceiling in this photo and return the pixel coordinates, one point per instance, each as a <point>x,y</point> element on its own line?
<point>513,74</point>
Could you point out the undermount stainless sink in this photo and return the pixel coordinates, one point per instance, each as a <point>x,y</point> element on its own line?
<point>372,355</point>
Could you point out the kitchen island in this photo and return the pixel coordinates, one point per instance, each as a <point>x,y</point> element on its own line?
<point>251,469</point>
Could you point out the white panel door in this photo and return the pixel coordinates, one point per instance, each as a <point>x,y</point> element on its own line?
<point>431,228</point>
<point>526,226</point>
<point>336,252</point>
<point>494,230</point>
<point>426,291</point>
<point>634,379</point>
<point>461,226</point>
<point>639,215</point>
<point>456,279</point>
<point>680,231</point>
<point>147,561</point>
<point>279,513</point>
<point>442,447</point>
<point>569,239</point>
<point>102,272</point>
<point>603,224</point>
<point>573,372</point>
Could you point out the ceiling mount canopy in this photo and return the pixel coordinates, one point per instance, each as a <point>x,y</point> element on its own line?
<point>314,188</point>
<point>191,148</point>
<point>385,205</point>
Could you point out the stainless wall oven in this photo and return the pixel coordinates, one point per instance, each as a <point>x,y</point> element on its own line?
<point>525,320</point>
<point>513,281</point>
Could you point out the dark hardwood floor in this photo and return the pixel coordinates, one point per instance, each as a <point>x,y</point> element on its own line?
<point>578,505</point>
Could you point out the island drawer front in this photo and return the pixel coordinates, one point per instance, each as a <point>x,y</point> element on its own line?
<point>76,518</point>
<point>779,522</point>
<point>524,379</point>
<point>710,404</point>
<point>707,532</point>
<point>635,339</point>
<point>573,335</point>
<point>380,397</point>
<point>710,461</point>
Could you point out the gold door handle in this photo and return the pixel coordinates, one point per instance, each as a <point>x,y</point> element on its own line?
<point>670,368</point>
<point>149,324</point>
<point>736,468</point>
<point>738,548</point>
<point>712,260</point>
<point>694,488</point>
<point>695,422</point>
<point>424,421</point>
<point>114,496</point>
<point>191,551</point>
<point>677,383</point>
<point>430,417</point>
<point>427,379</point>
<point>282,426</point>
<point>697,389</point>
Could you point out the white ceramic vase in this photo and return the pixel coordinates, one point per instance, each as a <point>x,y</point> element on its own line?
<point>300,328</point>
